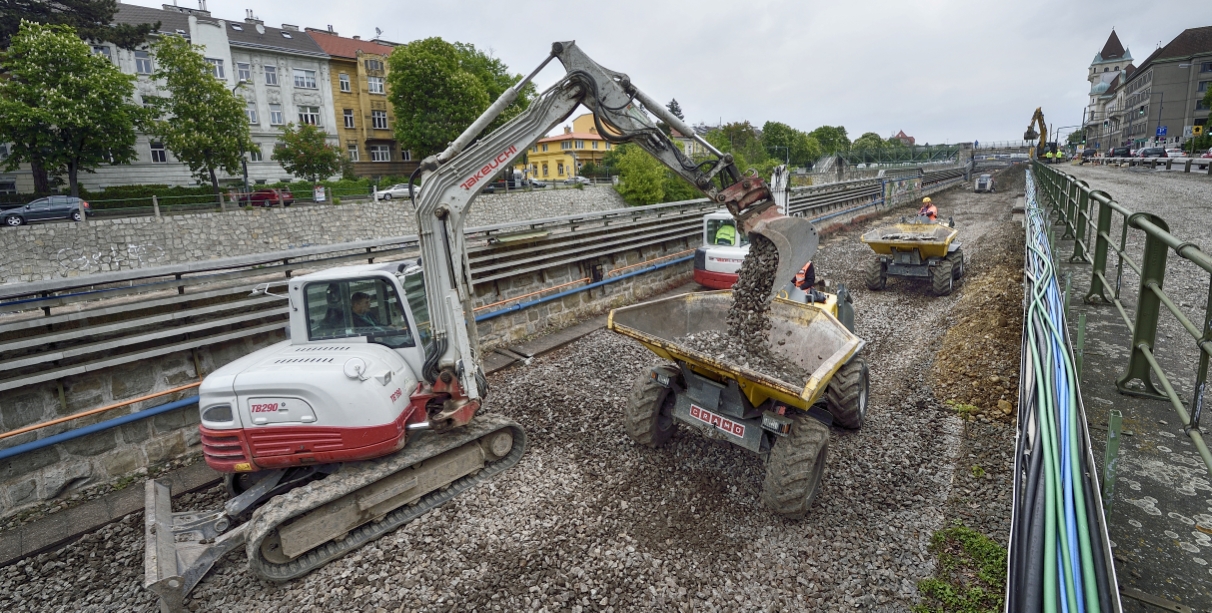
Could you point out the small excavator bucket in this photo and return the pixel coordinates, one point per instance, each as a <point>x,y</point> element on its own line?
<point>795,238</point>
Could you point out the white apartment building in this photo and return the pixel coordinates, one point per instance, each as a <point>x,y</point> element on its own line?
<point>281,73</point>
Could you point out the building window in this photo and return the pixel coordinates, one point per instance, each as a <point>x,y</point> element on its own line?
<point>1200,105</point>
<point>353,152</point>
<point>251,111</point>
<point>305,78</point>
<point>374,65</point>
<point>103,50</point>
<point>1203,86</point>
<point>380,153</point>
<point>216,67</point>
<point>608,146</point>
<point>406,155</point>
<point>3,151</point>
<point>349,118</point>
<point>243,72</point>
<point>255,155</point>
<point>375,84</point>
<point>271,75</point>
<point>559,169</point>
<point>595,144</point>
<point>580,144</point>
<point>143,63</point>
<point>344,80</point>
<point>544,169</point>
<point>544,146</point>
<point>565,144</point>
<point>158,155</point>
<point>275,115</point>
<point>1205,67</point>
<point>379,119</point>
<point>534,149</point>
<point>309,115</point>
<point>8,187</point>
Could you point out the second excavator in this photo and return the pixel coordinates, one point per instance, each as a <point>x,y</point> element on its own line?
<point>366,417</point>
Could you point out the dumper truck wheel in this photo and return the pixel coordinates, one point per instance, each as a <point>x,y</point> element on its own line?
<point>794,468</point>
<point>941,278</point>
<point>847,394</point>
<point>957,263</point>
<point>649,414</point>
<point>875,275</point>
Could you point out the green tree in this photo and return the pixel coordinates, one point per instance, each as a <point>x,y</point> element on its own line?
<point>641,177</point>
<point>869,143</point>
<point>304,152</point>
<point>63,105</point>
<point>91,20</point>
<point>202,122</point>
<point>438,89</point>
<point>833,139</point>
<point>675,109</point>
<point>781,141</point>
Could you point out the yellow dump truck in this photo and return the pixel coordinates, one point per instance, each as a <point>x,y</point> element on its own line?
<point>919,249</point>
<point>787,420</point>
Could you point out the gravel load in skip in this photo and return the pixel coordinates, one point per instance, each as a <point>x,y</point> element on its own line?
<point>727,348</point>
<point>589,521</point>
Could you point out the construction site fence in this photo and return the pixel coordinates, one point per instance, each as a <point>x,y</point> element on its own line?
<point>1088,216</point>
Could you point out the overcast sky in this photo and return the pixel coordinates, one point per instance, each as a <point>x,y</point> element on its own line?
<point>941,70</point>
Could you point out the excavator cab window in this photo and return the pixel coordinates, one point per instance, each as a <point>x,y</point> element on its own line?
<point>414,291</point>
<point>730,238</point>
<point>358,307</point>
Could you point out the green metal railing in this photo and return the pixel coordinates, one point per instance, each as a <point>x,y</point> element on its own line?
<point>1072,200</point>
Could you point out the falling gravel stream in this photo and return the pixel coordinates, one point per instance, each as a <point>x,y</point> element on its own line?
<point>588,521</point>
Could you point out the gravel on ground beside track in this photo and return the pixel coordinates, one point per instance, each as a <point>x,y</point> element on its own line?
<point>588,521</point>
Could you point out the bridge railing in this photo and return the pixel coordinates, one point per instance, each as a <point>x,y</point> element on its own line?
<point>1072,201</point>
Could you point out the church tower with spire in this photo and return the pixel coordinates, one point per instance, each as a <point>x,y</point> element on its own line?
<point>1110,69</point>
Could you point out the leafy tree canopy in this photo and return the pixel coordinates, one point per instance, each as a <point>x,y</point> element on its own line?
<point>783,142</point>
<point>869,142</point>
<point>201,122</point>
<point>304,152</point>
<point>675,109</point>
<point>641,177</point>
<point>833,139</point>
<point>91,19</point>
<point>63,106</point>
<point>438,89</point>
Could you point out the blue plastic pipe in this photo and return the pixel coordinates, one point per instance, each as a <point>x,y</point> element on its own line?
<point>97,427</point>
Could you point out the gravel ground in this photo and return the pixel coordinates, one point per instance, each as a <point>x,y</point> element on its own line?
<point>588,521</point>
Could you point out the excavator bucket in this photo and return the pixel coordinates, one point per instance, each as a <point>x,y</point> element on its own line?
<point>795,238</point>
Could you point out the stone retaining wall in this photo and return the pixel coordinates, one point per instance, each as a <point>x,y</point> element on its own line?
<point>46,251</point>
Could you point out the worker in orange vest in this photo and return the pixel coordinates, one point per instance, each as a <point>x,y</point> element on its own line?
<point>928,209</point>
<point>805,279</point>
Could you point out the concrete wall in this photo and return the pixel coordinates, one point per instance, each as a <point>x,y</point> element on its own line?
<point>62,249</point>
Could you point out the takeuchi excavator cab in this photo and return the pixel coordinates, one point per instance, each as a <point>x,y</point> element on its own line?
<point>724,247</point>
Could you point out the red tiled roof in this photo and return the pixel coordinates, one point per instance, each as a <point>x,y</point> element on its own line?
<point>340,46</point>
<point>1113,49</point>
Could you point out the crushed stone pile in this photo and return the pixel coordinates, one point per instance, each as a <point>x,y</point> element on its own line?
<point>727,349</point>
<point>748,318</point>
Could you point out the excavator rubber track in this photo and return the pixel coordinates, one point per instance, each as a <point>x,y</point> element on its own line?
<point>323,503</point>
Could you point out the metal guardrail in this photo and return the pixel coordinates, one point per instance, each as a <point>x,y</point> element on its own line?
<point>1072,200</point>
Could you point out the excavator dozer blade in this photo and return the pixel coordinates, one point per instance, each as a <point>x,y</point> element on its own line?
<point>795,238</point>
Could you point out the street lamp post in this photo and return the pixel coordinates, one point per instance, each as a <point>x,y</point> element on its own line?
<point>788,152</point>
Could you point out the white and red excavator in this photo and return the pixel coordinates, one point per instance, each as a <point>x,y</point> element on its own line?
<point>366,417</point>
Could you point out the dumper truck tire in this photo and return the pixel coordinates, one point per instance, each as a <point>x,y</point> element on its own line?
<point>847,394</point>
<point>957,263</point>
<point>875,275</point>
<point>941,278</point>
<point>648,417</point>
<point>794,468</point>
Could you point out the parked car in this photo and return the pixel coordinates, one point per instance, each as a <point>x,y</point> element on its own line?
<point>537,183</point>
<point>1151,152</point>
<point>1121,152</point>
<point>46,209</point>
<point>1176,152</point>
<point>573,180</point>
<point>1088,154</point>
<point>268,197</point>
<point>399,190</point>
<point>1207,154</point>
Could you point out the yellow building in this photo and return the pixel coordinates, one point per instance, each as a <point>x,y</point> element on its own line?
<point>365,120</point>
<point>562,156</point>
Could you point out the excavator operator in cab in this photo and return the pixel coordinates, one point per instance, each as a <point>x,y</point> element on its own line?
<point>726,235</point>
<point>928,209</point>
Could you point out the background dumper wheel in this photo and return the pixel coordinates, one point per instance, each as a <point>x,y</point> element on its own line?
<point>649,414</point>
<point>847,394</point>
<point>875,275</point>
<point>794,468</point>
<point>941,278</point>
<point>957,263</point>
